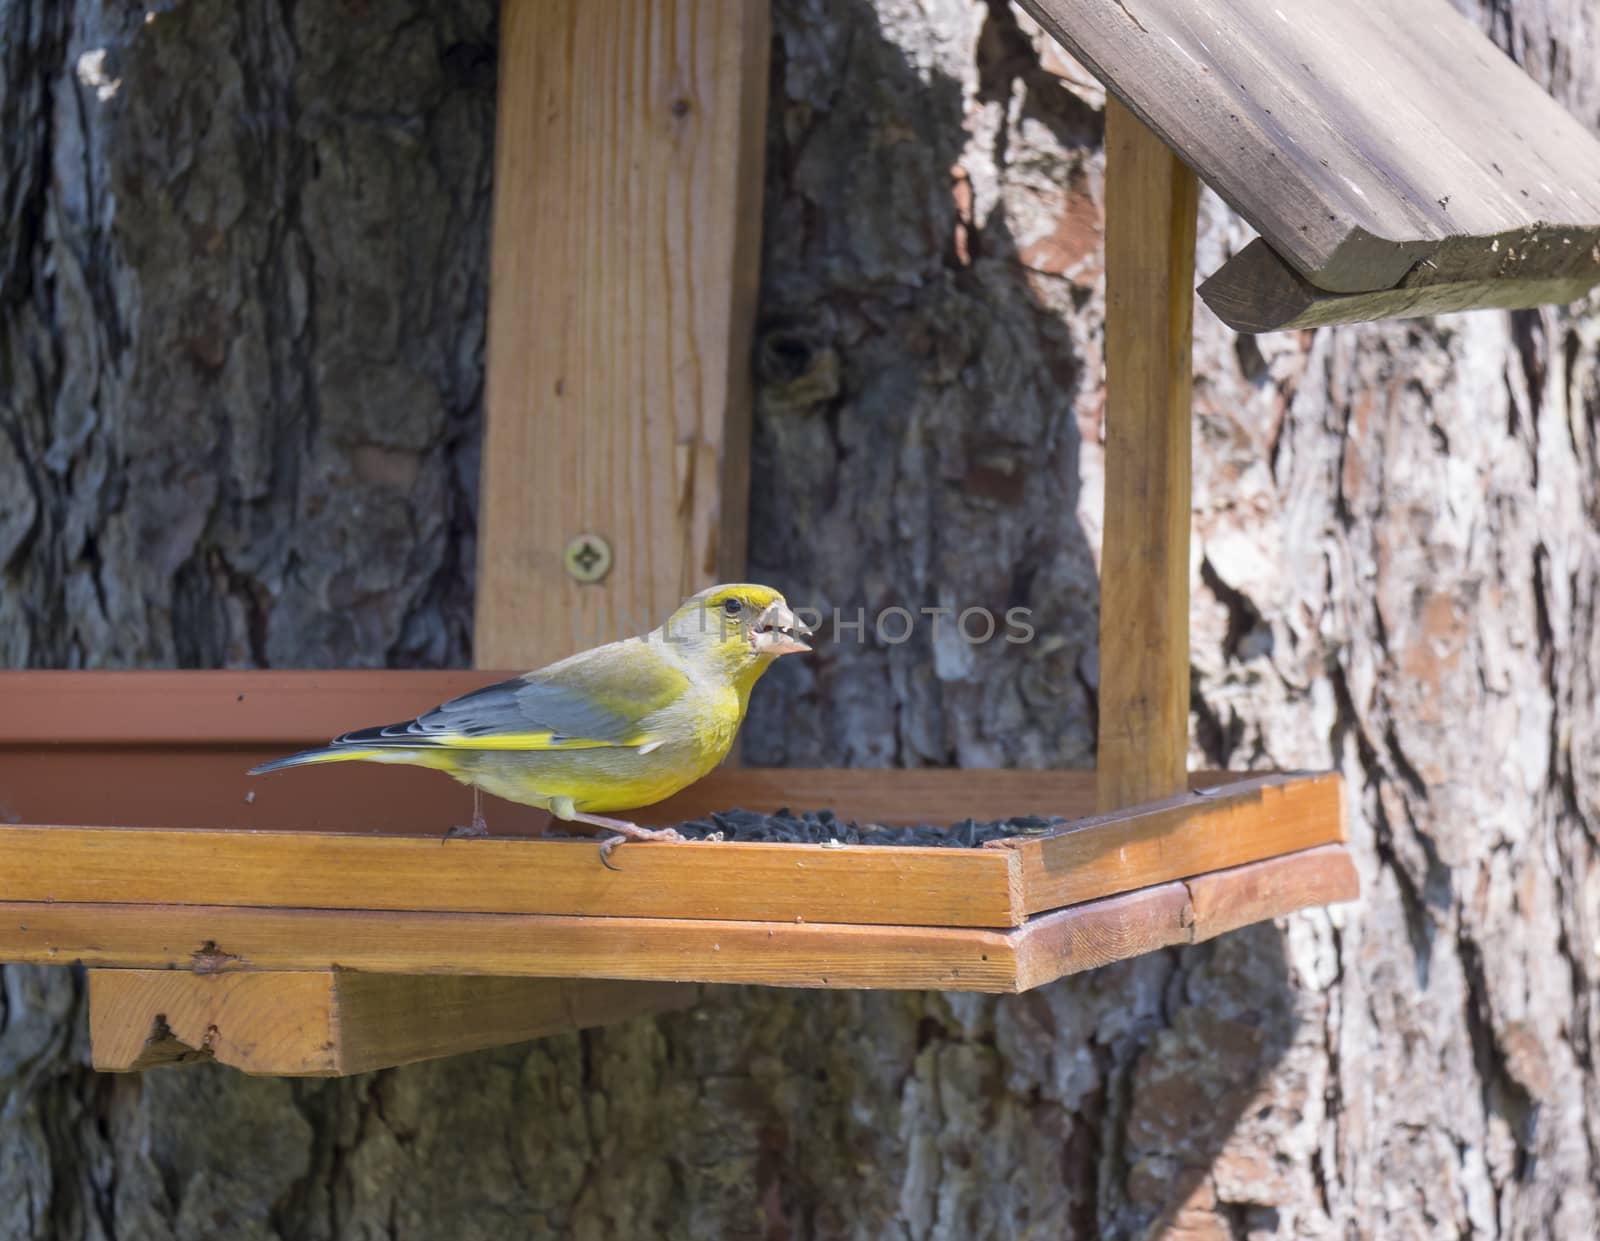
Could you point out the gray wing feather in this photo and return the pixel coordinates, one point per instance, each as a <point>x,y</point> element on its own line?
<point>513,706</point>
<point>521,705</point>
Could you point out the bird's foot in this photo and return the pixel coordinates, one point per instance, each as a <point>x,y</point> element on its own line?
<point>478,827</point>
<point>624,831</point>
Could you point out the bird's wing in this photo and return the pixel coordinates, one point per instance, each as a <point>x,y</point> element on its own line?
<point>596,699</point>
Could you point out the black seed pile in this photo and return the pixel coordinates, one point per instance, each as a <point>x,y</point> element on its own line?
<point>817,827</point>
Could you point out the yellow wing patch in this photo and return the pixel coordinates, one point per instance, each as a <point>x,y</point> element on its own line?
<point>539,741</point>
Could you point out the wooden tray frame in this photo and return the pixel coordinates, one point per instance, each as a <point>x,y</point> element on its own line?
<point>326,872</point>
<point>998,885</point>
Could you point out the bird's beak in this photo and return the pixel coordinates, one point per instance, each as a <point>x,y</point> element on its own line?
<point>778,631</point>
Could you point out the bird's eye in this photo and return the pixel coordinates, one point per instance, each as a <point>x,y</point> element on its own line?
<point>733,606</point>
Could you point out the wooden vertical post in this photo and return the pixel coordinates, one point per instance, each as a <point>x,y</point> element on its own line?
<point>1144,577</point>
<point>627,205</point>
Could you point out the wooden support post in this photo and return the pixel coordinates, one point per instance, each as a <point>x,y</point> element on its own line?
<point>331,1023</point>
<point>627,206</point>
<point>1144,575</point>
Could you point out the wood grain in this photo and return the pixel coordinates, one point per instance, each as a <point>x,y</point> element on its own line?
<point>1144,577</point>
<point>260,1023</point>
<point>1227,900</point>
<point>1188,835</point>
<point>198,789</point>
<point>278,709</point>
<point>1087,936</point>
<point>995,886</point>
<point>1359,138</point>
<point>782,954</point>
<point>231,940</point>
<point>327,1023</point>
<point>626,255</point>
<point>1256,291</point>
<point>757,882</point>
<point>385,1020</point>
<point>894,797</point>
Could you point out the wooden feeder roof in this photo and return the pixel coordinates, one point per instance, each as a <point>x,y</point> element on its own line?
<point>1392,158</point>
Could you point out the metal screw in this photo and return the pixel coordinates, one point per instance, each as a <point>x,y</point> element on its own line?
<point>588,557</point>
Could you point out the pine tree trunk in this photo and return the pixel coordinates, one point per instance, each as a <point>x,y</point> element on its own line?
<point>242,275</point>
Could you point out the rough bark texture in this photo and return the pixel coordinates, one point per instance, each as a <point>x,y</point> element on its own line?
<point>242,267</point>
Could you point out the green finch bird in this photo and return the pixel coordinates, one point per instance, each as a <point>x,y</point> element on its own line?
<point>620,726</point>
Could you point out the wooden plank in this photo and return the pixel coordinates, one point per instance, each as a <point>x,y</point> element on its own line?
<point>995,886</point>
<point>900,797</point>
<point>206,786</point>
<point>626,255</point>
<point>1256,291</point>
<point>780,954</point>
<point>1144,574</point>
<point>1188,835</point>
<point>1359,138</point>
<point>275,709</point>
<point>882,885</point>
<point>208,789</point>
<point>228,940</point>
<point>260,1023</point>
<point>1085,936</point>
<point>894,797</point>
<point>327,1023</point>
<point>386,1020</point>
<point>1227,900</point>
<point>756,882</point>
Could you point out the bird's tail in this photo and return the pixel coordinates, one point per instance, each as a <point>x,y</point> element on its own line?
<point>327,754</point>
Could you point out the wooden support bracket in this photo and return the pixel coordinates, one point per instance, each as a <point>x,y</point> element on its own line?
<point>1144,576</point>
<point>327,1023</point>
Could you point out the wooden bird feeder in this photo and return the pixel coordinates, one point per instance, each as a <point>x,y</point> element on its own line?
<point>1393,163</point>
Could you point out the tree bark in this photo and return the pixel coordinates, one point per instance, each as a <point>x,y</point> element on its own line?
<point>242,273</point>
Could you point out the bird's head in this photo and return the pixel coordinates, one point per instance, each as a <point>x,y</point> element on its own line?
<point>740,627</point>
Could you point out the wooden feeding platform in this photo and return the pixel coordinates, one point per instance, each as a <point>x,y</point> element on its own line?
<point>1392,161</point>
<point>134,841</point>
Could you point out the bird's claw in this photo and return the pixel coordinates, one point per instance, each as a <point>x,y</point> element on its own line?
<point>667,834</point>
<point>477,828</point>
